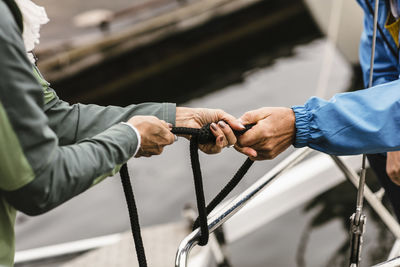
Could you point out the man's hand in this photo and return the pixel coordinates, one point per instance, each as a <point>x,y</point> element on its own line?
<point>154,133</point>
<point>393,166</point>
<point>274,132</point>
<point>198,117</point>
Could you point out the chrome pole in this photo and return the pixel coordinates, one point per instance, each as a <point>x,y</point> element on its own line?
<point>229,209</point>
<point>358,219</point>
<point>372,199</point>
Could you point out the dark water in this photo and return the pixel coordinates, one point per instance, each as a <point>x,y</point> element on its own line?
<point>195,62</point>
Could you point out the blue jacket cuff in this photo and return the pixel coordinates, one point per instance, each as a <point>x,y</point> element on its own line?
<point>302,126</point>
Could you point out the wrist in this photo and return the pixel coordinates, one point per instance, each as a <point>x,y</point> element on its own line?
<point>136,131</point>
<point>187,117</point>
<point>301,126</point>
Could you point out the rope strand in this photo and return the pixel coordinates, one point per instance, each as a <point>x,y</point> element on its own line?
<point>227,189</point>
<point>198,184</point>
<point>199,136</point>
<point>133,216</point>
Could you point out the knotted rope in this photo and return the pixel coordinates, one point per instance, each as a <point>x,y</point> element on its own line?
<point>198,136</point>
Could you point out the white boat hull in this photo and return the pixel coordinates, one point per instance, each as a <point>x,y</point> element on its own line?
<point>349,28</point>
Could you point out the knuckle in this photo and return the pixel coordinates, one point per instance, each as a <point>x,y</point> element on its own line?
<point>269,148</point>
<point>220,111</point>
<point>241,142</point>
<point>247,115</point>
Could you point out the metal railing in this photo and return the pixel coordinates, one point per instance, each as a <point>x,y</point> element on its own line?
<point>237,203</point>
<point>390,263</point>
<point>229,209</point>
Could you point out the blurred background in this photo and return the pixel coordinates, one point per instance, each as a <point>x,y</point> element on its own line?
<point>236,55</point>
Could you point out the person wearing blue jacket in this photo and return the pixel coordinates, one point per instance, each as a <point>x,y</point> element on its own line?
<point>50,150</point>
<point>366,121</point>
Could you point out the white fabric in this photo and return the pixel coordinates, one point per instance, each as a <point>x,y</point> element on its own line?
<point>34,17</point>
<point>139,138</point>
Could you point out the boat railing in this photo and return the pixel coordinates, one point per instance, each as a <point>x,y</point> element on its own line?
<point>229,209</point>
<point>389,263</point>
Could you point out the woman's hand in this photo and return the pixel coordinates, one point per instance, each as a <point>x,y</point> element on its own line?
<point>221,126</point>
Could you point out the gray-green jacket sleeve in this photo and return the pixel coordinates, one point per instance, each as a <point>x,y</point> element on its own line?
<point>73,123</point>
<point>36,172</point>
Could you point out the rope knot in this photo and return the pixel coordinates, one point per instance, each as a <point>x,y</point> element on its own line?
<point>205,136</point>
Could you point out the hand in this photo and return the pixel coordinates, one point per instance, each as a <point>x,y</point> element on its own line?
<point>198,117</point>
<point>274,132</point>
<point>154,134</point>
<point>393,166</point>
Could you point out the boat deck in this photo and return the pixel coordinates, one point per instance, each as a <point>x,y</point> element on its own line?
<point>160,244</point>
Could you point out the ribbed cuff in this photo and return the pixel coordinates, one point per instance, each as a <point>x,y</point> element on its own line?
<point>139,138</point>
<point>302,126</point>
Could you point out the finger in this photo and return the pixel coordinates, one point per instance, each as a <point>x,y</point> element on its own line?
<point>210,149</point>
<point>166,125</point>
<point>139,153</point>
<point>395,180</point>
<point>230,136</point>
<point>248,151</point>
<point>156,150</point>
<point>393,175</point>
<point>231,120</point>
<point>253,116</point>
<point>251,137</point>
<point>160,150</point>
<point>167,137</point>
<point>170,138</point>
<point>219,135</point>
<point>144,154</point>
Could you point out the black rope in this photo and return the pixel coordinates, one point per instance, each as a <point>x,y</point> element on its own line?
<point>198,136</point>
<point>198,185</point>
<point>227,189</point>
<point>133,215</point>
<point>204,136</point>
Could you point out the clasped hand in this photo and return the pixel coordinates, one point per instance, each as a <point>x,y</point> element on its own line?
<point>273,131</point>
<point>156,134</point>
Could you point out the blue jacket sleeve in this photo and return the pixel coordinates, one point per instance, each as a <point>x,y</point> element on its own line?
<point>366,121</point>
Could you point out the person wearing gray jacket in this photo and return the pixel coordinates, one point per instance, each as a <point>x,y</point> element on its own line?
<point>51,151</point>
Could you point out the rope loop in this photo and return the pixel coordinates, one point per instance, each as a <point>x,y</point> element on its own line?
<point>203,135</point>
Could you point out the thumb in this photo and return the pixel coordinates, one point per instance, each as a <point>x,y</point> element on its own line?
<point>253,116</point>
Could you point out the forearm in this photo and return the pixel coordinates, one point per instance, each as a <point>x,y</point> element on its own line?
<point>76,122</point>
<point>73,169</point>
<point>366,121</point>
